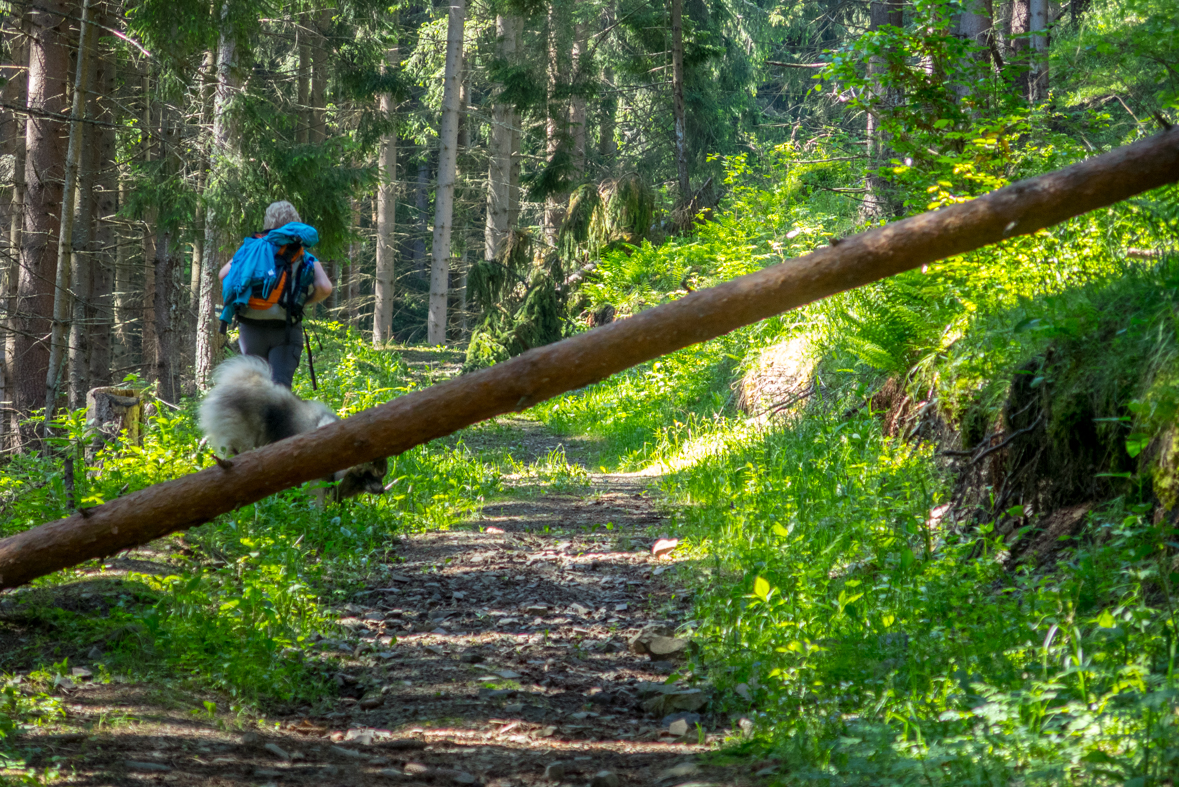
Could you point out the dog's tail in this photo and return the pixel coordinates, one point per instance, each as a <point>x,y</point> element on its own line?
<point>242,372</point>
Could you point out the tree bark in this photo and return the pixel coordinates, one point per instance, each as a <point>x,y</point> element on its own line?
<point>164,265</point>
<point>386,215</point>
<point>123,352</point>
<point>221,153</point>
<point>45,147</point>
<point>147,295</point>
<point>303,115</point>
<point>81,328</point>
<point>517,26</point>
<point>104,207</point>
<point>319,77</point>
<point>81,243</point>
<point>447,172</point>
<point>554,129</point>
<point>208,83</point>
<point>62,293</point>
<point>1021,20</point>
<point>577,112</point>
<point>975,26</point>
<point>1038,26</point>
<point>677,89</point>
<point>112,412</point>
<point>607,144</point>
<point>14,141</point>
<point>877,199</point>
<point>499,154</point>
<point>463,139</point>
<point>545,372</point>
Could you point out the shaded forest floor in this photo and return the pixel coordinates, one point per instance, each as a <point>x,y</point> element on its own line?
<point>496,652</point>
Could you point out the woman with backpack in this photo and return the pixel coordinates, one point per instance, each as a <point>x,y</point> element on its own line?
<point>270,313</point>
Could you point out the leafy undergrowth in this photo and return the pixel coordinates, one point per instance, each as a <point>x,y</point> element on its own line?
<point>225,607</point>
<point>873,637</point>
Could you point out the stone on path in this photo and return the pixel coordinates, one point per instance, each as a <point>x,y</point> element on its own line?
<point>147,767</point>
<point>689,719</point>
<point>554,771</point>
<point>656,643</point>
<point>604,779</point>
<point>662,704</point>
<point>277,751</point>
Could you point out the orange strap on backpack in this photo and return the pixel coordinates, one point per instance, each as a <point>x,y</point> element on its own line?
<point>262,304</point>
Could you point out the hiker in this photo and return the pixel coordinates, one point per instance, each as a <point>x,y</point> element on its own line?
<point>266,286</point>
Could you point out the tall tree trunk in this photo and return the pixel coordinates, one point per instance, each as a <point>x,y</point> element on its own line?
<point>123,352</point>
<point>1021,20</point>
<point>554,130</point>
<point>147,297</point>
<point>386,215</point>
<point>62,295</point>
<point>164,265</point>
<point>221,154</point>
<point>463,139</point>
<point>81,328</point>
<point>607,144</point>
<point>81,253</point>
<point>464,323</point>
<point>45,146</point>
<point>877,201</point>
<point>517,25</point>
<point>447,172</point>
<point>1038,77</point>
<point>319,76</point>
<point>499,154</point>
<point>147,319</point>
<point>200,217</point>
<point>208,83</point>
<point>677,89</point>
<point>104,207</point>
<point>13,140</point>
<point>577,113</point>
<point>974,27</point>
<point>303,116</point>
<point>1001,13</point>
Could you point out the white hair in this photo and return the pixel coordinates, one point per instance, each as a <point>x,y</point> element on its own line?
<point>278,214</point>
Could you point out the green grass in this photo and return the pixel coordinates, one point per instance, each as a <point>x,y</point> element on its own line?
<point>871,642</point>
<point>237,605</point>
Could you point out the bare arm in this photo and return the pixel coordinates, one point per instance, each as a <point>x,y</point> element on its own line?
<point>323,286</point>
<point>224,271</point>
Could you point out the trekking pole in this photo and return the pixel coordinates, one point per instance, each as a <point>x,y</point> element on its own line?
<point>310,357</point>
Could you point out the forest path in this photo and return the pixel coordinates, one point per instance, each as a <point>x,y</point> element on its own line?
<point>494,653</point>
<point>511,650</point>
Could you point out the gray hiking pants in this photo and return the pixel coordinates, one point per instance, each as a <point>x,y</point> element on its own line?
<point>269,340</point>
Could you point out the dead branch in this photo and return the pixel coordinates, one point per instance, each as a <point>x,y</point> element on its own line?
<point>540,374</point>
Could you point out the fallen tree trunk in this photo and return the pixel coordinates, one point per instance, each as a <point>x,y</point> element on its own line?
<point>416,418</point>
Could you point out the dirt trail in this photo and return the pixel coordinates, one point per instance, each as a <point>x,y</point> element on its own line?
<point>494,654</point>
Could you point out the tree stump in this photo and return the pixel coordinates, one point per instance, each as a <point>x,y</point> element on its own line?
<point>111,411</point>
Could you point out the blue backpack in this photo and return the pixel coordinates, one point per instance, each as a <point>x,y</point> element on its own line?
<point>271,269</point>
